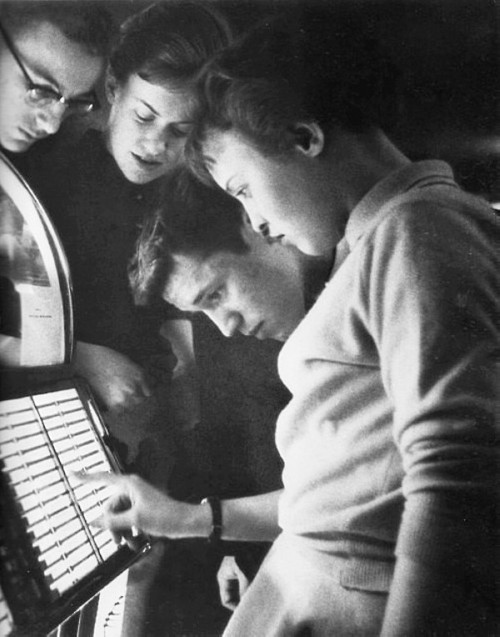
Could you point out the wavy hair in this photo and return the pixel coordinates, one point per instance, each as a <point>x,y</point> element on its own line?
<point>191,219</point>
<point>326,68</point>
<point>87,23</point>
<point>168,41</point>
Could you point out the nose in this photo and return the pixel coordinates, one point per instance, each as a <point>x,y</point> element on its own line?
<point>258,223</point>
<point>155,144</point>
<point>49,119</point>
<point>158,139</point>
<point>227,322</point>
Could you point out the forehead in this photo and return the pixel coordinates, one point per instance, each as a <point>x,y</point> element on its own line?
<point>50,54</point>
<point>167,98</point>
<point>226,147</point>
<point>192,276</point>
<point>230,154</point>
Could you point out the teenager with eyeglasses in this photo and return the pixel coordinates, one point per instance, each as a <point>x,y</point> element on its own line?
<point>50,62</point>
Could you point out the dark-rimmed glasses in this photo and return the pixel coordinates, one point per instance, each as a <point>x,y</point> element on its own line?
<point>44,96</point>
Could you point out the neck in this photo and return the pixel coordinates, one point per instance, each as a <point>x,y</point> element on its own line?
<point>315,273</point>
<point>360,160</point>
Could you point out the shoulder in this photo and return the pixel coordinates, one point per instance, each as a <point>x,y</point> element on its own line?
<point>432,244</point>
<point>442,217</point>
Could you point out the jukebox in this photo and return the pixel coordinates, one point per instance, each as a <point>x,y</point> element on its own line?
<point>53,562</point>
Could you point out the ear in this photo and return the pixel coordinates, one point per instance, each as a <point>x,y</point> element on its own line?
<point>309,138</point>
<point>111,86</point>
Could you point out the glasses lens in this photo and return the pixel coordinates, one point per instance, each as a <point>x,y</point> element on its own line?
<point>80,107</point>
<point>40,96</point>
<point>91,104</point>
<point>45,97</point>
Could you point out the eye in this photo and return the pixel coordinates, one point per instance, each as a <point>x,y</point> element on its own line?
<point>177,132</point>
<point>144,117</point>
<point>241,193</point>
<point>213,298</point>
<point>45,93</point>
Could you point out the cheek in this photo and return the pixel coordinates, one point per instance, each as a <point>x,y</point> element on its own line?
<point>276,203</point>
<point>13,104</point>
<point>175,149</point>
<point>122,131</point>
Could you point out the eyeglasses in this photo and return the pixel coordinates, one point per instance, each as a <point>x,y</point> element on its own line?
<point>44,96</point>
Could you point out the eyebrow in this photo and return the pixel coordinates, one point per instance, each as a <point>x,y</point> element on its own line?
<point>187,122</point>
<point>41,73</point>
<point>45,77</point>
<point>193,303</point>
<point>153,110</point>
<point>200,295</point>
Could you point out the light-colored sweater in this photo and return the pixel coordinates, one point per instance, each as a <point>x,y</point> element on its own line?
<point>389,439</point>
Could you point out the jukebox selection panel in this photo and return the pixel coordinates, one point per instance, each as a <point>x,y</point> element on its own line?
<point>44,438</point>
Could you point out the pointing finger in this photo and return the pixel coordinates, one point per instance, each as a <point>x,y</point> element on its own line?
<point>100,477</point>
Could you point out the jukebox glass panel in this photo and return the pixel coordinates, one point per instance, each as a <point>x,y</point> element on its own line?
<point>35,304</point>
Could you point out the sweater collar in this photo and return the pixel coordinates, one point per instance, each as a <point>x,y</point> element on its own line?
<point>414,175</point>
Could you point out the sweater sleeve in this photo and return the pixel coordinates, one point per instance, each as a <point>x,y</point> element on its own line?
<point>433,306</point>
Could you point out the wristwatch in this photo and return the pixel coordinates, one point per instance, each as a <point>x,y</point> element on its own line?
<point>214,503</point>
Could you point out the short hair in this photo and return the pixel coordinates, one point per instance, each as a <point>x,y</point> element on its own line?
<point>326,68</point>
<point>168,41</point>
<point>191,219</point>
<point>87,23</point>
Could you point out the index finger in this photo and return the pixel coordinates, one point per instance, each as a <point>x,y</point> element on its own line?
<point>99,477</point>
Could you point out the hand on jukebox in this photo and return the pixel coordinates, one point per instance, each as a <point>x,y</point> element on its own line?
<point>118,382</point>
<point>135,506</point>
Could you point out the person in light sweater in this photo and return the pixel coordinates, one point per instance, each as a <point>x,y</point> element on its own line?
<point>386,522</point>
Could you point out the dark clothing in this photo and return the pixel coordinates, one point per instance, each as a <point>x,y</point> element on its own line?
<point>98,214</point>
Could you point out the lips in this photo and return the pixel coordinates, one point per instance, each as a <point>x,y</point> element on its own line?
<point>146,162</point>
<point>31,137</point>
<point>277,238</point>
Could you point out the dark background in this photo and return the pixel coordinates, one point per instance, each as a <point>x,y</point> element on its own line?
<point>447,53</point>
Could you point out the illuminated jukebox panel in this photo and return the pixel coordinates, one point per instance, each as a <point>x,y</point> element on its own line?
<point>53,559</point>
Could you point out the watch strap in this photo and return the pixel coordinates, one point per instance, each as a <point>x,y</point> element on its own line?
<point>215,506</point>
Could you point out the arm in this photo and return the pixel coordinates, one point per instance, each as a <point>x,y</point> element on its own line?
<point>118,382</point>
<point>432,282</point>
<point>423,601</point>
<point>135,503</point>
<point>185,394</point>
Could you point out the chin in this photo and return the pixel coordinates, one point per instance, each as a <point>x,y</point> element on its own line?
<point>137,176</point>
<point>140,177</point>
<point>17,146</point>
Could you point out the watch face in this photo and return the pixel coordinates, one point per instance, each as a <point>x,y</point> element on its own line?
<point>36,326</point>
